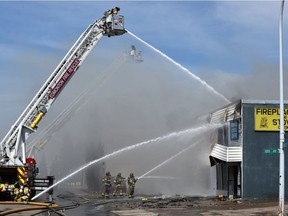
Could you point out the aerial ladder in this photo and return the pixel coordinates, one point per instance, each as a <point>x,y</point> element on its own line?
<point>13,154</point>
<point>39,142</point>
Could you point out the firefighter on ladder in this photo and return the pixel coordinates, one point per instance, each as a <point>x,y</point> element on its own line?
<point>108,16</point>
<point>131,180</point>
<point>107,184</point>
<point>113,11</point>
<point>118,182</point>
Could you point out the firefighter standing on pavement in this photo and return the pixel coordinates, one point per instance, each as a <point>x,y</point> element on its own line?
<point>21,193</point>
<point>16,194</point>
<point>26,194</point>
<point>131,185</point>
<point>107,184</point>
<point>118,185</point>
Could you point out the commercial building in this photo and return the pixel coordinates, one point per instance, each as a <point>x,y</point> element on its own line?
<point>244,150</point>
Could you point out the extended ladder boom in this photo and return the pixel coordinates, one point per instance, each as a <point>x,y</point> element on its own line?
<point>111,24</point>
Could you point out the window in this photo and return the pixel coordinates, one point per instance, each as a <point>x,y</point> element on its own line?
<point>234,130</point>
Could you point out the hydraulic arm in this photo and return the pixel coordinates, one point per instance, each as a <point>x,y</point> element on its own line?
<point>111,24</point>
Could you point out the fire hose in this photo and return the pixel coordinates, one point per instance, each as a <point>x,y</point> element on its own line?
<point>33,206</point>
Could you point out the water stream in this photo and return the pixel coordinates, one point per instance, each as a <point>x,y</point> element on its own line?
<point>210,88</point>
<point>166,161</point>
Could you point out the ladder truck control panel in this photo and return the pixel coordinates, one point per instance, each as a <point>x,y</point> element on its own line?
<point>17,171</point>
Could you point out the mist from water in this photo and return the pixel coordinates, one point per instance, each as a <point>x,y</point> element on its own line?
<point>193,131</point>
<point>159,177</point>
<point>80,101</point>
<point>137,102</point>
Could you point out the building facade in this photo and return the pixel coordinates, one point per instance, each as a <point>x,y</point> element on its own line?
<point>244,149</point>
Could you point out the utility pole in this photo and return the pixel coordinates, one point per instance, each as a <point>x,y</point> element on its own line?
<point>282,126</point>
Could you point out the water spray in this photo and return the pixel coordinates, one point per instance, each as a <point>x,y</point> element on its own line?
<point>166,161</point>
<point>196,130</point>
<point>183,68</point>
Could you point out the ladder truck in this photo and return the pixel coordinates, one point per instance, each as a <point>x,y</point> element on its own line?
<point>17,171</point>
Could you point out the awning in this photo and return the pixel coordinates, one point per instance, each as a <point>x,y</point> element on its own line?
<point>223,153</point>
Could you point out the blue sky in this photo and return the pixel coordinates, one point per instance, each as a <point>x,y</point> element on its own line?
<point>227,38</point>
<point>225,35</point>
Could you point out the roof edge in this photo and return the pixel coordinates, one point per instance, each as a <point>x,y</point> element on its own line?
<point>249,101</point>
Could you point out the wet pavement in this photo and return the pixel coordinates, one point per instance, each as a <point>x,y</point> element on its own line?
<point>83,203</point>
<point>93,204</point>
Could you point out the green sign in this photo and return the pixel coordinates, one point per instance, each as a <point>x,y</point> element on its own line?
<point>271,151</point>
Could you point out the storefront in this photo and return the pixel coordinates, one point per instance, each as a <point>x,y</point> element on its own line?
<point>244,150</point>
